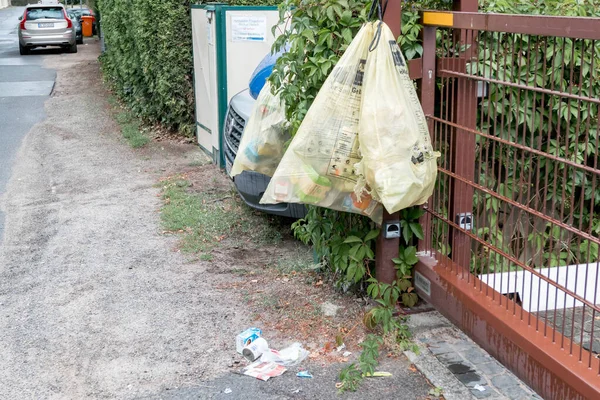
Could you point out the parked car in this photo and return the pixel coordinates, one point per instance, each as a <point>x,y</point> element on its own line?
<point>46,25</point>
<point>251,185</point>
<point>80,12</point>
<point>77,24</point>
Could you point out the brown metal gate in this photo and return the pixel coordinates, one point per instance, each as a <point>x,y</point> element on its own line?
<point>513,104</point>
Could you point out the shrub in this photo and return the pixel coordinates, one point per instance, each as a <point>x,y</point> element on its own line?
<point>149,58</point>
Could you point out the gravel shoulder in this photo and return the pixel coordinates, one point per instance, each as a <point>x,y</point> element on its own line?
<point>97,302</point>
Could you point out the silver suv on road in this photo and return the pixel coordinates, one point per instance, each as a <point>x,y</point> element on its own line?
<point>46,25</point>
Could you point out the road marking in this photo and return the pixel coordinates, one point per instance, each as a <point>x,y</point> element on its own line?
<point>21,89</point>
<point>18,61</point>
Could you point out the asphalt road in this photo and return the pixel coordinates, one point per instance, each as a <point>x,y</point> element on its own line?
<point>24,87</point>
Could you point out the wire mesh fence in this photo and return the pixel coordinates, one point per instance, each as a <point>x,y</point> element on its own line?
<point>517,120</point>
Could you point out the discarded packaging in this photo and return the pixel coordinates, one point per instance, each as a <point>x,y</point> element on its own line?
<point>289,356</point>
<point>245,338</point>
<point>346,354</point>
<point>263,370</point>
<point>304,374</point>
<point>377,374</point>
<point>227,391</point>
<point>255,349</point>
<point>479,388</point>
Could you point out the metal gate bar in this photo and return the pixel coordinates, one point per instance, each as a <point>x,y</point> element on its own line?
<point>513,105</point>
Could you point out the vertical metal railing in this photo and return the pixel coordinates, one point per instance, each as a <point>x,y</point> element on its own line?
<point>516,116</point>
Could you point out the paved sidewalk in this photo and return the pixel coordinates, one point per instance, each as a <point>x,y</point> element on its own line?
<point>457,365</point>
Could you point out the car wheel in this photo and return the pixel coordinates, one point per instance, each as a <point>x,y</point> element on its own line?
<point>73,48</point>
<point>23,50</point>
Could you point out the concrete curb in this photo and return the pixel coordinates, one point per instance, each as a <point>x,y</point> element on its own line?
<point>439,375</point>
<point>456,364</point>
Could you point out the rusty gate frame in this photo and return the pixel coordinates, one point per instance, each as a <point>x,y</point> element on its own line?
<point>448,284</point>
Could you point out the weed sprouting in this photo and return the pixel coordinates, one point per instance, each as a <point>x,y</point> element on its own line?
<point>131,128</point>
<point>206,219</point>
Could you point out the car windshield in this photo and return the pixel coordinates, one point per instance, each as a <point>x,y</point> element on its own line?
<point>45,13</point>
<point>81,11</point>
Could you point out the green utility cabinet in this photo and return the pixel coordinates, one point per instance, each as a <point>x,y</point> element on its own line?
<point>229,42</point>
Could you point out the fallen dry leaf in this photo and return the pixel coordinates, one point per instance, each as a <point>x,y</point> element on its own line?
<point>329,346</point>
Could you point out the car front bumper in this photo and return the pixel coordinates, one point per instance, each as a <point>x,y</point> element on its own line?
<point>251,186</point>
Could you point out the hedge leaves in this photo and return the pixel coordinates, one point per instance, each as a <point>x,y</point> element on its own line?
<point>148,58</point>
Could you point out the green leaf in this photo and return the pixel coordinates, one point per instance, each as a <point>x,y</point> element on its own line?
<point>354,250</point>
<point>372,235</point>
<point>362,251</point>
<point>409,299</point>
<point>410,255</point>
<point>353,239</point>
<point>359,273</point>
<point>351,271</point>
<point>414,213</point>
<point>330,14</point>
<point>309,34</point>
<point>325,68</point>
<point>417,229</point>
<point>347,34</point>
<point>404,284</point>
<point>407,234</point>
<point>338,10</point>
<point>323,37</point>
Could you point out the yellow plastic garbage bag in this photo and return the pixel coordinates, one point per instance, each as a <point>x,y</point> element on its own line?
<point>398,162</point>
<point>265,134</point>
<point>318,166</point>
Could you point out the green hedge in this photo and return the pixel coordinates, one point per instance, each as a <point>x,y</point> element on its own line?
<point>148,57</point>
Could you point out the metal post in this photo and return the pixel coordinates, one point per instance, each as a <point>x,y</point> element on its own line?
<point>427,97</point>
<point>465,114</point>
<point>387,249</point>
